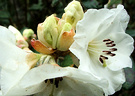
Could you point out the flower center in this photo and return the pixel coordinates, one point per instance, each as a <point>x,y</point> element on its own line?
<point>102,50</point>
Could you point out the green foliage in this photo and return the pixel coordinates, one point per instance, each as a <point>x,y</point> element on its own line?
<point>66,61</point>
<point>114,2</point>
<point>131,32</point>
<point>130,77</point>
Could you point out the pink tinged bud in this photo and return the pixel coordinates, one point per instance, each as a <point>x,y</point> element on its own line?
<point>40,47</point>
<point>48,31</point>
<point>66,40</point>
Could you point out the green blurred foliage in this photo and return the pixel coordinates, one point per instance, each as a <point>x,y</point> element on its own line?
<point>29,13</point>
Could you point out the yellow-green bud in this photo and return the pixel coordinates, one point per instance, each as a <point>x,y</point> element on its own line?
<point>73,13</point>
<point>28,34</point>
<point>48,32</point>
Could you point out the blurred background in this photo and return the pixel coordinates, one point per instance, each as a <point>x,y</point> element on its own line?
<point>28,13</point>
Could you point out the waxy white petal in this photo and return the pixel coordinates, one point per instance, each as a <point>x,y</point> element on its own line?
<point>72,87</point>
<point>93,29</point>
<point>12,61</point>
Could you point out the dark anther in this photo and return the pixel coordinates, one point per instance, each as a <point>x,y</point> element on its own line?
<point>46,80</point>
<point>103,57</point>
<point>56,82</point>
<point>51,81</point>
<point>110,45</point>
<point>113,49</point>
<point>112,54</point>
<point>106,40</point>
<point>110,42</point>
<point>107,52</point>
<point>100,59</point>
<point>61,78</point>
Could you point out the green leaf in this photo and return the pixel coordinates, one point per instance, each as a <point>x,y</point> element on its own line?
<point>89,4</point>
<point>4,14</point>
<point>66,61</point>
<point>114,2</point>
<point>130,77</point>
<point>54,2</point>
<point>131,32</point>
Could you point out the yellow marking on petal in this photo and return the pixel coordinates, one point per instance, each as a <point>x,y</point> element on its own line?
<point>32,59</point>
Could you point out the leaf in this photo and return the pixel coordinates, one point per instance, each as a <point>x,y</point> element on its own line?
<point>90,4</point>
<point>130,77</point>
<point>54,2</point>
<point>131,32</point>
<point>114,2</point>
<point>4,14</point>
<point>66,61</point>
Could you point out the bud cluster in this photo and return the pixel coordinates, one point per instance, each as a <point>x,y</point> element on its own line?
<point>57,34</point>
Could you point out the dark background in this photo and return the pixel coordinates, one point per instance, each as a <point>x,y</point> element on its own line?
<point>28,13</point>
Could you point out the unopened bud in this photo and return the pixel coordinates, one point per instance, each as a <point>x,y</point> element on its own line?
<point>48,31</point>
<point>73,13</point>
<point>66,37</point>
<point>28,34</point>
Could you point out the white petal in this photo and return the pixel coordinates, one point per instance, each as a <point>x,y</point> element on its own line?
<point>43,72</point>
<point>92,65</point>
<point>6,35</point>
<point>48,71</point>
<point>12,61</point>
<point>114,78</point>
<point>72,87</point>
<point>16,33</point>
<point>98,23</point>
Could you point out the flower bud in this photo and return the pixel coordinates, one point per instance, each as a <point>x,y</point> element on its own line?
<point>48,32</point>
<point>28,34</point>
<point>73,13</point>
<point>66,37</point>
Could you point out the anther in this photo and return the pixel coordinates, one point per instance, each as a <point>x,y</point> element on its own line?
<point>51,81</point>
<point>103,57</point>
<point>113,49</point>
<point>110,42</point>
<point>46,80</point>
<point>100,59</point>
<point>107,52</point>
<point>56,82</point>
<point>110,45</point>
<point>106,40</point>
<point>112,54</point>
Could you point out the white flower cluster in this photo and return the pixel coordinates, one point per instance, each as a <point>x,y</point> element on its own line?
<point>100,43</point>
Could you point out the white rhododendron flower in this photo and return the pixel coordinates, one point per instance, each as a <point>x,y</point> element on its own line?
<point>18,78</point>
<point>102,45</point>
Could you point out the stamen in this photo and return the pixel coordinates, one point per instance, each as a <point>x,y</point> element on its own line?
<point>107,52</point>
<point>51,81</point>
<point>46,80</point>
<point>100,59</point>
<point>103,57</point>
<point>56,82</point>
<point>112,54</point>
<point>110,42</point>
<point>111,45</point>
<point>106,40</point>
<point>113,49</point>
